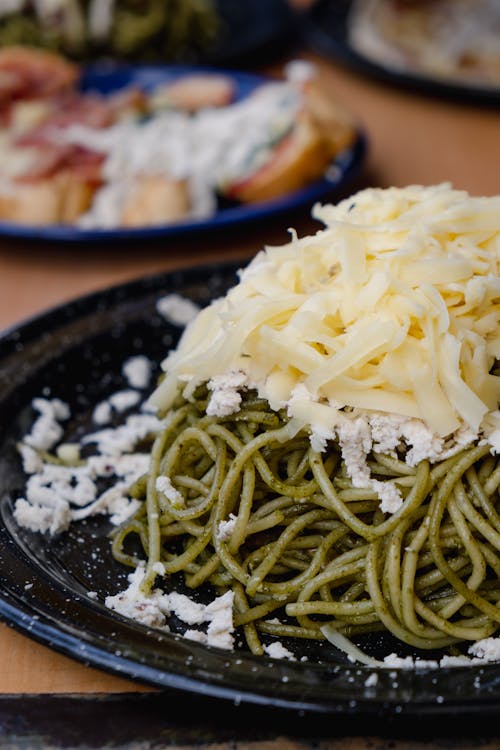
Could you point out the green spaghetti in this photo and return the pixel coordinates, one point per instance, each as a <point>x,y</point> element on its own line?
<point>325,447</point>
<point>331,449</point>
<point>254,510</point>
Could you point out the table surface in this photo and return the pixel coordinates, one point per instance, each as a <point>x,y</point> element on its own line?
<point>412,139</point>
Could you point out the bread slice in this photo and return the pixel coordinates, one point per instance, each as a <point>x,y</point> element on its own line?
<point>320,131</point>
<point>155,200</point>
<point>299,158</point>
<point>57,200</point>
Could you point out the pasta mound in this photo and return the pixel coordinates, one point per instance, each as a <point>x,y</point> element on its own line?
<point>393,308</point>
<point>251,509</point>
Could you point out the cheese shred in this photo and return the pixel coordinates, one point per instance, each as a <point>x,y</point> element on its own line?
<point>394,306</point>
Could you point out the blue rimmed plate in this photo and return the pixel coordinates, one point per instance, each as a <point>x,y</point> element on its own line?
<point>107,78</point>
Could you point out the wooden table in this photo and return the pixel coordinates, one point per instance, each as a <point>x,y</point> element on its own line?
<point>411,139</point>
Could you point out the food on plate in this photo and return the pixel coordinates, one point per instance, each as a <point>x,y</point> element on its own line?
<point>324,442</point>
<point>194,92</point>
<point>33,74</point>
<point>154,157</point>
<point>451,40</point>
<point>321,131</point>
<point>160,30</point>
<point>58,199</point>
<point>155,199</point>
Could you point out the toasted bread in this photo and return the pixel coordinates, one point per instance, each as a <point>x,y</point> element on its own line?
<point>299,158</point>
<point>321,130</point>
<point>58,200</point>
<point>156,200</point>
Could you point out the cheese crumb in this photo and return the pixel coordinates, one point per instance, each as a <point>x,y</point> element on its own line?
<point>137,371</point>
<point>164,485</point>
<point>276,650</point>
<point>177,309</point>
<point>226,396</point>
<point>46,430</point>
<point>152,609</point>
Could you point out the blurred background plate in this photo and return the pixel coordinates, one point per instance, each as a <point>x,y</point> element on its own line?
<point>107,77</point>
<point>325,30</point>
<point>253,32</point>
<point>215,32</point>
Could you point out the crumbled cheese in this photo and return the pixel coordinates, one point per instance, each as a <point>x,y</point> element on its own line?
<point>356,443</point>
<point>152,609</point>
<point>219,614</point>
<point>32,462</point>
<point>36,517</point>
<point>226,397</point>
<point>385,431</point>
<point>177,309</point>
<point>425,444</point>
<point>56,494</point>
<point>276,650</point>
<point>164,485</point>
<point>122,439</point>
<point>226,528</point>
<point>484,651</point>
<point>102,413</point>
<point>487,649</point>
<point>123,400</point>
<point>390,496</point>
<point>408,662</point>
<point>46,430</point>
<point>137,371</point>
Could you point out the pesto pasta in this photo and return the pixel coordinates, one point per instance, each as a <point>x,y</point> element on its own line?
<point>332,432</point>
<point>251,508</point>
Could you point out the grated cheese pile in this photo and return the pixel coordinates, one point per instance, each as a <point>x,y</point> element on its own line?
<point>393,308</point>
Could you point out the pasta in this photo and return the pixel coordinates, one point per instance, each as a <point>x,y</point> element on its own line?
<point>246,493</point>
<point>326,443</point>
<point>303,540</point>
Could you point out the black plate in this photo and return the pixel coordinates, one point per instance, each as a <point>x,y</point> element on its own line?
<point>75,352</point>
<point>326,33</point>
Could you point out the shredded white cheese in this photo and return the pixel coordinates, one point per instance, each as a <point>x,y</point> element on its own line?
<point>380,329</point>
